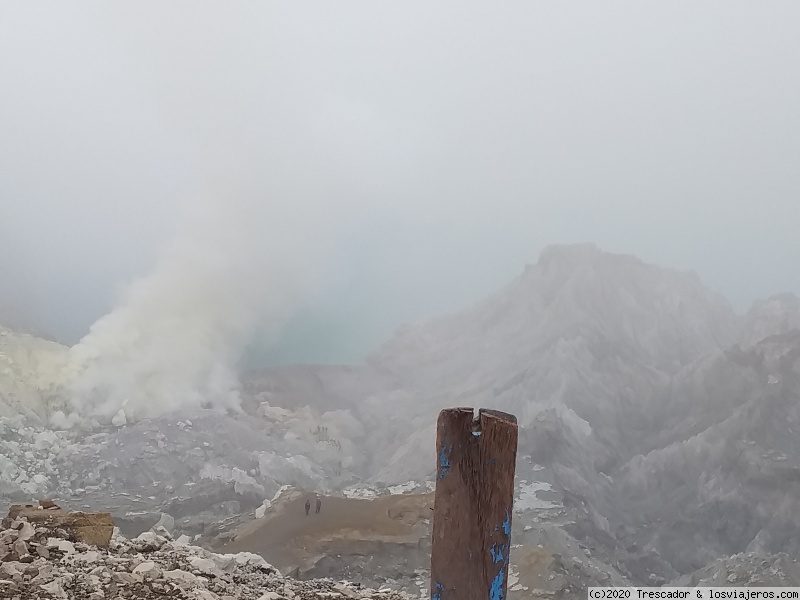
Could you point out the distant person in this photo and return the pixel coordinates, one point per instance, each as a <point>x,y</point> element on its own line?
<point>308,506</point>
<point>319,505</point>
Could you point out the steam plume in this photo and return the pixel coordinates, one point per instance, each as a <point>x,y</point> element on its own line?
<point>175,339</point>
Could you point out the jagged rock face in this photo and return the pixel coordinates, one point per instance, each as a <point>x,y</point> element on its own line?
<point>725,472</point>
<point>750,569</point>
<point>774,316</point>
<point>592,335</point>
<point>637,312</point>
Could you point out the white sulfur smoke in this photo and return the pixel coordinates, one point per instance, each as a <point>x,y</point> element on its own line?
<point>177,336</point>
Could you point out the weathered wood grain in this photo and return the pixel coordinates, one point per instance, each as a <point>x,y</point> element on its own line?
<point>473,504</point>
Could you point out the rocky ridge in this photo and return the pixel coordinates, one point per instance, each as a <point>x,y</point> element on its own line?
<point>751,569</point>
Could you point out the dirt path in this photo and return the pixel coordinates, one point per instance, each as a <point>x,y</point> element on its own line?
<point>287,538</point>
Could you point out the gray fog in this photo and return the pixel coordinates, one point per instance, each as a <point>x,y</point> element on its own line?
<point>328,171</point>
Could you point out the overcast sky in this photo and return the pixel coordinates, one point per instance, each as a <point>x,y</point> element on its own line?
<point>418,153</point>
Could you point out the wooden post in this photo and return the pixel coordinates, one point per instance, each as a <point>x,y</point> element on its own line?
<point>473,504</point>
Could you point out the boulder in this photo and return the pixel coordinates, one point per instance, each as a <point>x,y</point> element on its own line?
<point>166,521</point>
<point>54,589</point>
<point>94,529</point>
<point>180,577</point>
<point>148,570</point>
<point>149,541</point>
<point>205,566</point>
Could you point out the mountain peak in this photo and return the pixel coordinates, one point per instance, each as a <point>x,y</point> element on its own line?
<point>577,295</point>
<point>575,254</point>
<point>561,252</point>
<point>775,315</point>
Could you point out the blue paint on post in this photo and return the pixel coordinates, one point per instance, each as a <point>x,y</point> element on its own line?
<point>437,595</point>
<point>500,555</point>
<point>506,523</point>
<point>496,591</point>
<point>506,526</point>
<point>497,553</point>
<point>444,461</point>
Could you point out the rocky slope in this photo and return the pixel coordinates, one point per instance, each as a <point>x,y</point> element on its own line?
<point>746,570</point>
<point>592,335</point>
<point>47,565</point>
<point>726,465</point>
